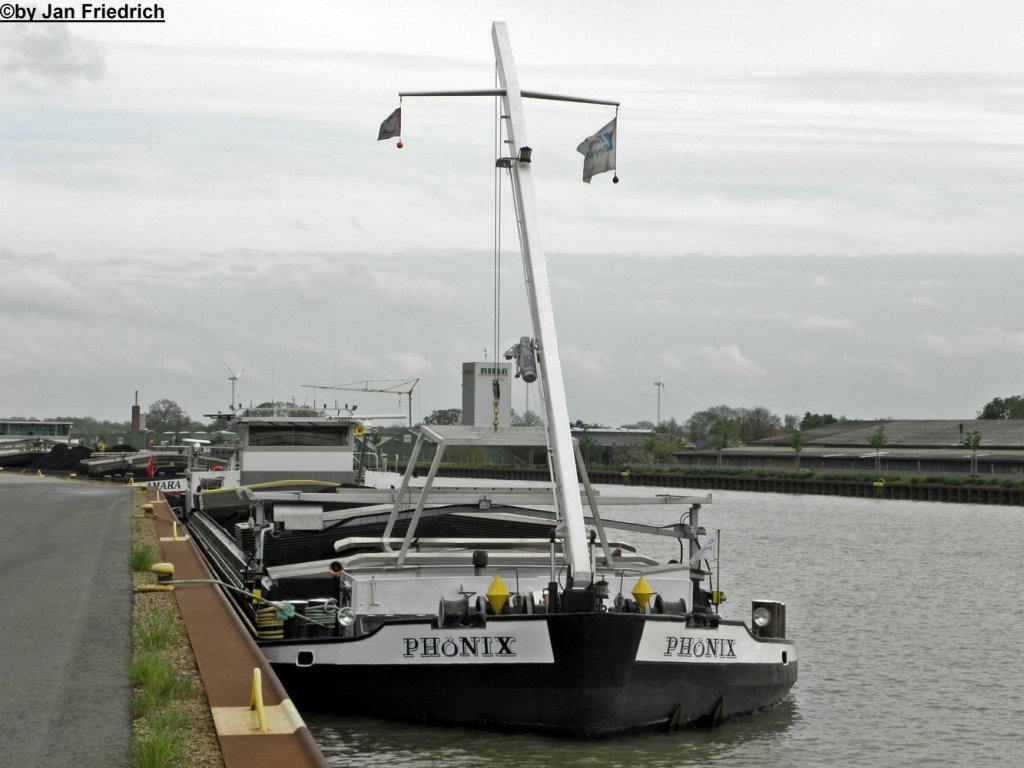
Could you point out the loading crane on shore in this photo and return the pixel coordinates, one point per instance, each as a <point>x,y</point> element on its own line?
<point>383,386</point>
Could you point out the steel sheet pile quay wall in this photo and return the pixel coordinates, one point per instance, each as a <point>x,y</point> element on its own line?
<point>226,657</point>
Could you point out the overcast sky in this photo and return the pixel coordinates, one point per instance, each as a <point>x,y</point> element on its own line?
<point>820,205</point>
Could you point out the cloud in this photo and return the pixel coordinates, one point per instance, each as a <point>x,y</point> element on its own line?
<point>820,323</point>
<point>193,153</point>
<point>900,367</point>
<point>410,363</point>
<point>301,346</point>
<point>672,361</point>
<point>925,302</point>
<point>730,360</point>
<point>28,289</point>
<point>177,365</point>
<point>939,344</point>
<point>50,52</point>
<point>980,343</point>
<point>587,362</point>
<point>397,287</point>
<point>1002,340</point>
<point>357,361</point>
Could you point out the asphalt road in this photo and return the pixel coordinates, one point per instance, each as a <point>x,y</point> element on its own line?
<point>65,623</point>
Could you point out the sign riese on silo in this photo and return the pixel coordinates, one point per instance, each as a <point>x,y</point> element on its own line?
<point>478,393</point>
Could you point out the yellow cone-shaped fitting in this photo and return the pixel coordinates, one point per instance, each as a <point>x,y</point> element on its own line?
<point>497,594</point>
<point>642,592</point>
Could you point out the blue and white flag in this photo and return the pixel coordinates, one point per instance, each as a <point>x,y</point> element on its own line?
<point>392,126</point>
<point>598,151</point>
<point>705,552</point>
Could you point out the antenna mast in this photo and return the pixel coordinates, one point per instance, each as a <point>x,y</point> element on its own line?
<point>233,378</point>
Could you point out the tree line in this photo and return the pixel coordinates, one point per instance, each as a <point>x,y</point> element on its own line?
<point>162,416</point>
<point>1011,407</point>
<point>720,426</point>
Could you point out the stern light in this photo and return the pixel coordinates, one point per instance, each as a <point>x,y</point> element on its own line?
<point>768,618</point>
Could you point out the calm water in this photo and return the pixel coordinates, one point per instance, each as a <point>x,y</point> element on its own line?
<point>909,619</point>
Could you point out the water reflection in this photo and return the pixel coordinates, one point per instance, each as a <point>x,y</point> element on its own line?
<point>373,742</point>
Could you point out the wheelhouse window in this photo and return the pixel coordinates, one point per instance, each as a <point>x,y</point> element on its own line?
<point>296,435</point>
<point>35,428</point>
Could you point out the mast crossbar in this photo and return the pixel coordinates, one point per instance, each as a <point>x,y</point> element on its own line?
<point>501,92</point>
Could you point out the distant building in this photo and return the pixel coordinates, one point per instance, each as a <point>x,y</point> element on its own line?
<point>612,443</point>
<point>918,445</point>
<point>479,393</point>
<point>613,437</point>
<point>51,431</point>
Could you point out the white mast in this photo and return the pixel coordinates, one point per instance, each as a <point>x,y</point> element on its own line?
<point>563,462</point>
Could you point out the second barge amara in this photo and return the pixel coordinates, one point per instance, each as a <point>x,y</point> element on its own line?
<point>505,608</point>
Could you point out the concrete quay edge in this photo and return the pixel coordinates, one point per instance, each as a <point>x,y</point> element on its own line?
<point>226,656</point>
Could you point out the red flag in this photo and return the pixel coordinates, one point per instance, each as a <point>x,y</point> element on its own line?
<point>149,467</point>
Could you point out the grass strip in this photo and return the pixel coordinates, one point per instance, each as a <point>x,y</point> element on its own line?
<point>172,725</point>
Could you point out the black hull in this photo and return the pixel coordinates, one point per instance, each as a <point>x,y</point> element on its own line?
<point>594,687</point>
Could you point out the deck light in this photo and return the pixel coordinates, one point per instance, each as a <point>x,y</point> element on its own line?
<point>346,617</point>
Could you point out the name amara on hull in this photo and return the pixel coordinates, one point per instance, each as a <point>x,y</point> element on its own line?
<point>505,608</point>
